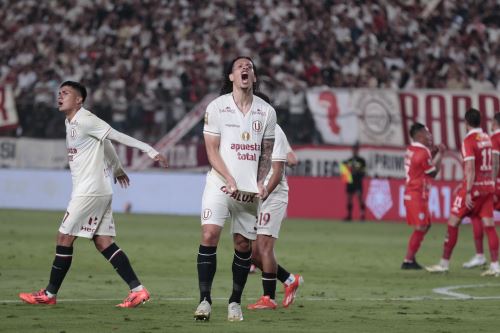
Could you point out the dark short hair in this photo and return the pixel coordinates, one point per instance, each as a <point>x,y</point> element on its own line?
<point>415,128</point>
<point>473,117</point>
<point>227,85</point>
<point>78,87</point>
<point>497,118</point>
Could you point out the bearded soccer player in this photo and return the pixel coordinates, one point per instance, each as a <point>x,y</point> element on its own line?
<point>420,168</point>
<point>92,159</point>
<point>239,138</point>
<point>475,198</point>
<point>478,259</point>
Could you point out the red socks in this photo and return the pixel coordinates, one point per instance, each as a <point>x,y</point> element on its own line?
<point>492,242</point>
<point>450,241</point>
<point>414,244</point>
<point>477,230</point>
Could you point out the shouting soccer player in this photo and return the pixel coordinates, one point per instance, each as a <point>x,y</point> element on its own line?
<point>475,198</point>
<point>420,167</point>
<point>89,212</point>
<point>239,137</point>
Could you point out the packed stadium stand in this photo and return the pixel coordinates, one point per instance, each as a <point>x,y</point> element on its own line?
<point>147,62</point>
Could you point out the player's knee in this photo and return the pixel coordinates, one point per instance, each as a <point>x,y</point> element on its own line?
<point>209,238</point>
<point>65,240</point>
<point>242,244</point>
<point>102,242</point>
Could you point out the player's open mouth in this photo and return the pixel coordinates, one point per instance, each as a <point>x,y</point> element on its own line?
<point>244,76</point>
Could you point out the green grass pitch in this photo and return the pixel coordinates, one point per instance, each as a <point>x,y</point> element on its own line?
<point>353,282</point>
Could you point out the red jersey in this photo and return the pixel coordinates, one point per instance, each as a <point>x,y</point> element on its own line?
<point>477,147</point>
<point>418,166</point>
<point>495,142</point>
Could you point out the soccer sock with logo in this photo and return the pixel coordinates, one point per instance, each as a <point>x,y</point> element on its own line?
<point>450,241</point>
<point>60,266</point>
<point>240,268</point>
<point>492,242</point>
<point>414,244</point>
<point>269,284</point>
<point>477,230</point>
<point>121,264</point>
<point>207,265</point>
<point>282,274</point>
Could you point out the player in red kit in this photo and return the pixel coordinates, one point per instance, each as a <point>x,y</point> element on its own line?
<point>477,225</point>
<point>420,167</point>
<point>475,198</point>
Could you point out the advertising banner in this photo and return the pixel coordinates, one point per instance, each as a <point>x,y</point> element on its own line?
<point>383,117</point>
<point>8,112</point>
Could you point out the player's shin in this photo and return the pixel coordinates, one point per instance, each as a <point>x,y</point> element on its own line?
<point>60,266</point>
<point>121,264</point>
<point>240,268</point>
<point>207,266</point>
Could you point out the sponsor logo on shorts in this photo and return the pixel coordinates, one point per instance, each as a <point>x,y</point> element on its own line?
<point>207,213</point>
<point>238,196</point>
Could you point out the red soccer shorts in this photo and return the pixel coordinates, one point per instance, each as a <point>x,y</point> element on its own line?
<point>482,205</point>
<point>417,212</point>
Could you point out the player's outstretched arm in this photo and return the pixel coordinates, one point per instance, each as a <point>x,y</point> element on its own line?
<point>436,160</point>
<point>113,160</point>
<point>131,142</point>
<point>212,143</point>
<point>470,173</point>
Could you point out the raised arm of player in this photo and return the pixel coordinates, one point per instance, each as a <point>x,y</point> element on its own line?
<point>111,157</point>
<point>131,142</point>
<point>212,143</point>
<point>436,161</point>
<point>470,172</point>
<point>264,166</point>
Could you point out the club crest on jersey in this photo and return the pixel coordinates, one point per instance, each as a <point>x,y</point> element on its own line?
<point>257,126</point>
<point>72,132</point>
<point>245,136</point>
<point>206,213</point>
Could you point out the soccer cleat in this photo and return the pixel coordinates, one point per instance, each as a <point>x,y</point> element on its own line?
<point>135,298</point>
<point>264,303</point>
<point>437,269</point>
<point>410,265</point>
<point>234,312</point>
<point>291,290</point>
<point>492,271</point>
<point>203,311</point>
<point>476,261</point>
<point>38,297</point>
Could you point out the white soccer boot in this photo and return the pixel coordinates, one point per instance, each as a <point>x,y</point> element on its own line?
<point>203,311</point>
<point>234,312</point>
<point>494,270</point>
<point>476,261</point>
<point>442,267</point>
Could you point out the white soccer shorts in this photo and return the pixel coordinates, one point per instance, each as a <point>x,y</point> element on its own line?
<point>89,216</point>
<point>217,205</point>
<point>271,214</point>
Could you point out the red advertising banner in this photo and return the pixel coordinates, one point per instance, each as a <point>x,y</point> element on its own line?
<point>325,198</point>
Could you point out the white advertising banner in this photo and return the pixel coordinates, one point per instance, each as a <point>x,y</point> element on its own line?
<point>8,112</point>
<point>33,153</point>
<point>383,117</point>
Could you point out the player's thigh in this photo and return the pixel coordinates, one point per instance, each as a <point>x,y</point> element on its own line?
<point>244,218</point>
<point>485,206</point>
<point>417,213</point>
<point>107,225</point>
<point>214,206</point>
<point>271,214</point>
<point>84,216</point>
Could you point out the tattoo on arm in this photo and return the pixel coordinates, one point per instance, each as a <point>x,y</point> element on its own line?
<point>265,159</point>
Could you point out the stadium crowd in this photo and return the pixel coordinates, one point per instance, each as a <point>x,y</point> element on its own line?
<point>147,62</point>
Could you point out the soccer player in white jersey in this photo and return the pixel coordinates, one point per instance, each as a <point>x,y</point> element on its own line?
<point>92,159</point>
<point>239,137</point>
<point>271,214</point>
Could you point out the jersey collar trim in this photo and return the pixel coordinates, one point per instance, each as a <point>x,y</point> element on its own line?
<point>474,131</point>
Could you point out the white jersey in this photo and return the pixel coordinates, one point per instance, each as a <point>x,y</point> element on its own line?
<point>240,137</point>
<point>281,149</point>
<point>84,139</point>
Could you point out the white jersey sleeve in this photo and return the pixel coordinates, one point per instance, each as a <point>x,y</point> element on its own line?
<point>212,121</point>
<point>270,130</point>
<point>280,151</point>
<point>93,126</point>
